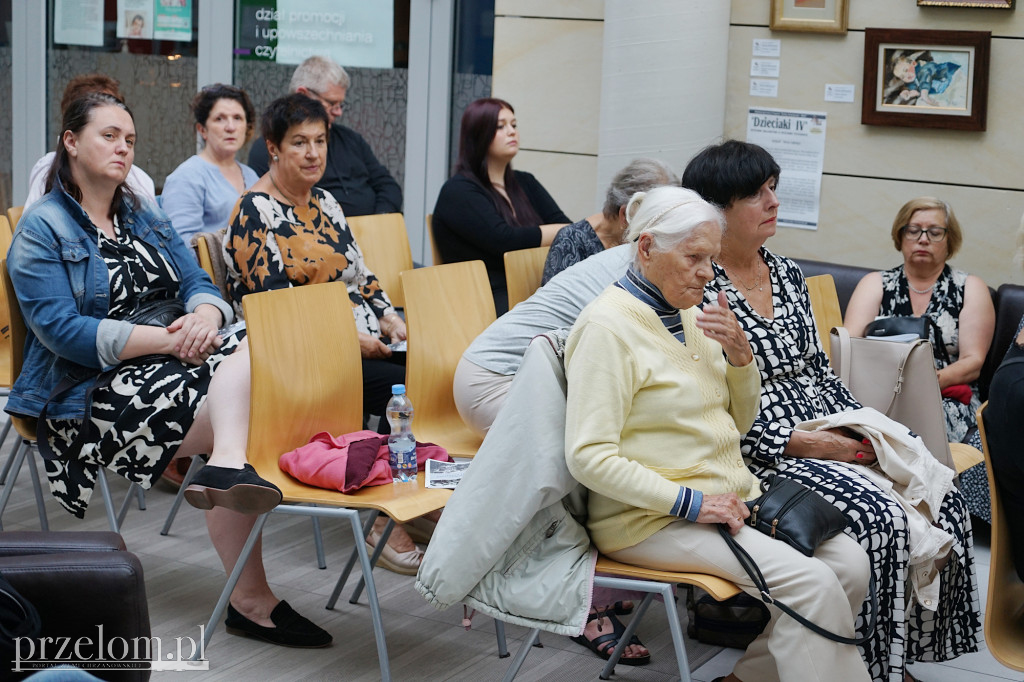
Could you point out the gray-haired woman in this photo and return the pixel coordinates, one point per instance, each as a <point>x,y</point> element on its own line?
<point>604,230</point>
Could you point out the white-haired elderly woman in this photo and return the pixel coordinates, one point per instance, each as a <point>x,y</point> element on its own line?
<point>604,230</point>
<point>659,394</point>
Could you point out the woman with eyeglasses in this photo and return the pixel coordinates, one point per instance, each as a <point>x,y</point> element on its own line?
<point>769,296</point>
<point>200,194</point>
<point>928,234</point>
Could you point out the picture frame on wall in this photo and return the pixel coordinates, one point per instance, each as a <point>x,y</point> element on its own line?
<point>925,78</point>
<point>813,16</point>
<point>983,4</point>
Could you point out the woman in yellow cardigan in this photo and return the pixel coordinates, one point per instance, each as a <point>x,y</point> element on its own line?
<point>659,394</point>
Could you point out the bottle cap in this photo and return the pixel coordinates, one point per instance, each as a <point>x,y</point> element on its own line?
<point>397,389</point>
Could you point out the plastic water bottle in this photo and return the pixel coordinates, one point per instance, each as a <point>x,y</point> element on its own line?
<point>401,442</point>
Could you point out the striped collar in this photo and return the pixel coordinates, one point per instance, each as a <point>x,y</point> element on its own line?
<point>638,285</point>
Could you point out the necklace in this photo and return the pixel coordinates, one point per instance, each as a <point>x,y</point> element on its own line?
<point>281,191</point>
<point>756,284</point>
<point>920,291</point>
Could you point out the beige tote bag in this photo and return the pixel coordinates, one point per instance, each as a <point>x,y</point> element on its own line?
<point>897,379</point>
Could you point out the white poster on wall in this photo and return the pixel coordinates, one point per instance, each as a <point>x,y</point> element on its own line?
<point>352,32</point>
<point>135,19</point>
<point>78,22</point>
<point>797,141</point>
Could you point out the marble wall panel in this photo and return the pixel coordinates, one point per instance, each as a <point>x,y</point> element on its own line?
<point>569,178</point>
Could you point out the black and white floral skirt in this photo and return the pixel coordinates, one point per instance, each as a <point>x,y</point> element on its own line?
<point>141,418</point>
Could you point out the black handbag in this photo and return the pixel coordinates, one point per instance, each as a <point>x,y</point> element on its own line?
<point>803,519</point>
<point>734,622</point>
<point>922,327</point>
<point>18,618</point>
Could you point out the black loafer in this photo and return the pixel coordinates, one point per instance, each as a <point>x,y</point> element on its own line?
<point>241,490</point>
<point>292,629</point>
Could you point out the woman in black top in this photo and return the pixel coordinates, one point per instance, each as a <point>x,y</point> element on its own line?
<point>486,208</point>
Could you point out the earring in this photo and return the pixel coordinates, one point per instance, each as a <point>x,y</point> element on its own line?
<point>275,157</point>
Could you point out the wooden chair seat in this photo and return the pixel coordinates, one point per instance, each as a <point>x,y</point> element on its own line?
<point>718,588</point>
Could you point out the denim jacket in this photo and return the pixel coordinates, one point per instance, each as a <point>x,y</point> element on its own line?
<point>64,292</point>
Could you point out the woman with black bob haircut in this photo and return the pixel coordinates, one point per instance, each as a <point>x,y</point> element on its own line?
<point>928,609</point>
<point>113,388</point>
<point>486,208</point>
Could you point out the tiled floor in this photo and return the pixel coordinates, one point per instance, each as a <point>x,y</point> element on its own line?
<point>184,577</point>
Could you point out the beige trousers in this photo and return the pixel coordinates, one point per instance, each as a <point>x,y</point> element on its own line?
<point>828,588</point>
<point>479,393</point>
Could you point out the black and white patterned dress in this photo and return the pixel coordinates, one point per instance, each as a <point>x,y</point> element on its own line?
<point>797,384</point>
<point>943,309</point>
<point>144,414</point>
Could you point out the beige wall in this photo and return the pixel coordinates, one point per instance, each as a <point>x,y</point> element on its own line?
<point>870,171</point>
<point>547,64</point>
<point>548,56</point>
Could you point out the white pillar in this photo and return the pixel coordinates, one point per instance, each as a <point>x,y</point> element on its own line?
<point>28,93</point>
<point>663,82</point>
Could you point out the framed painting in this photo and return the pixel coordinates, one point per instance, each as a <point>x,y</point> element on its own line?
<point>926,79</point>
<point>985,4</point>
<point>815,16</point>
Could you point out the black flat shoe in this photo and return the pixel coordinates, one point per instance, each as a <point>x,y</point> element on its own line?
<point>292,629</point>
<point>603,645</point>
<point>241,490</point>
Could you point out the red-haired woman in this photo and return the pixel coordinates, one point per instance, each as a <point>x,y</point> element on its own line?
<point>486,208</point>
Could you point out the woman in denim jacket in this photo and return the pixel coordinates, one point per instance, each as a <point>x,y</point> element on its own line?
<point>85,257</point>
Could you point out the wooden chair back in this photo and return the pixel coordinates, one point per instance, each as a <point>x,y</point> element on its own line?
<point>447,306</point>
<point>435,254</point>
<point>524,270</point>
<point>14,215</point>
<point>25,426</point>
<point>6,376</point>
<point>1004,613</point>
<point>209,253</point>
<point>825,306</point>
<point>305,369</point>
<point>384,243</point>
<point>306,376</point>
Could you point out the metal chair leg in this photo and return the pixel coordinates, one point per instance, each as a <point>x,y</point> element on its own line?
<point>371,595</point>
<point>140,494</point>
<point>123,509</point>
<point>44,523</point>
<point>499,632</point>
<point>521,655</point>
<point>381,543</point>
<point>18,458</point>
<point>108,501</point>
<point>343,578</point>
<point>10,459</point>
<point>192,468</point>
<point>318,542</point>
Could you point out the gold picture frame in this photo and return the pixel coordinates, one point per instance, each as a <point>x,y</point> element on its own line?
<point>980,4</point>
<point>812,16</point>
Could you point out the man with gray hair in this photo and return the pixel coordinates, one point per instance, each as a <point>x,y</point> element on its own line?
<point>604,230</point>
<point>359,182</point>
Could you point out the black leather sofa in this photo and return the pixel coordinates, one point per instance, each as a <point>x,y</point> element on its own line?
<point>78,581</point>
<point>1008,300</point>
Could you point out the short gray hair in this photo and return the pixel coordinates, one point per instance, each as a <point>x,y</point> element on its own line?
<point>669,215</point>
<point>639,176</point>
<point>317,73</point>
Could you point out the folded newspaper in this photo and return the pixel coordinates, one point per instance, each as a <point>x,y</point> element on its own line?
<point>444,474</point>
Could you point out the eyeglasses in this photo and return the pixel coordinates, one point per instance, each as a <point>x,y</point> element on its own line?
<point>913,233</point>
<point>339,105</point>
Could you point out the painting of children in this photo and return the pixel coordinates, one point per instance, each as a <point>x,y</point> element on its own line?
<point>926,78</point>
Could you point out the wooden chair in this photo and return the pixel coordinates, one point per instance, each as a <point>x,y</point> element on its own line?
<point>435,254</point>
<point>825,304</point>
<point>208,250</point>
<point>6,380</point>
<point>385,245</point>
<point>447,306</point>
<point>26,427</point>
<point>304,359</point>
<point>524,270</point>
<point>14,215</point>
<point>1004,613</point>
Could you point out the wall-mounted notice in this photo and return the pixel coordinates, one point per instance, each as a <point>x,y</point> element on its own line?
<point>78,22</point>
<point>760,87</point>
<point>764,68</point>
<point>797,141</point>
<point>839,92</point>
<point>155,20</point>
<point>352,32</point>
<point>767,47</point>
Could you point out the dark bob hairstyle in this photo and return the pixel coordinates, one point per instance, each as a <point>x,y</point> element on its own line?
<point>205,99</point>
<point>290,110</point>
<point>723,173</point>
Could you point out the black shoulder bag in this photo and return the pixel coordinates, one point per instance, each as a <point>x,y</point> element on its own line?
<point>803,519</point>
<point>154,309</point>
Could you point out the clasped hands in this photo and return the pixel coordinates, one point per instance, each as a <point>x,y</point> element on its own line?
<point>391,326</point>
<point>194,336</point>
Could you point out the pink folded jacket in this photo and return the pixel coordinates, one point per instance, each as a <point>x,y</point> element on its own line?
<point>350,461</point>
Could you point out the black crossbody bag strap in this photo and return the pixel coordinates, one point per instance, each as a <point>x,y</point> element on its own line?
<point>750,566</point>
